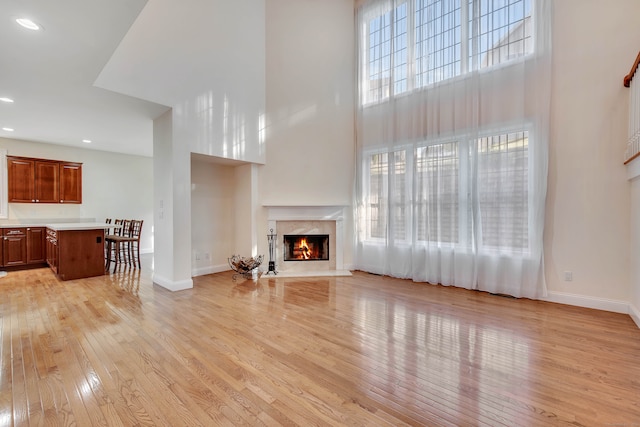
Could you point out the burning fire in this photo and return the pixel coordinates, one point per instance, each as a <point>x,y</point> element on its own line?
<point>304,249</point>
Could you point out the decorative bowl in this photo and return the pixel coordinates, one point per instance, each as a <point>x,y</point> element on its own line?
<point>244,266</point>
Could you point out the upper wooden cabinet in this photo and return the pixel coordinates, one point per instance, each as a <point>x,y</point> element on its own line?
<point>44,181</point>
<point>21,177</point>
<point>70,182</point>
<point>47,182</point>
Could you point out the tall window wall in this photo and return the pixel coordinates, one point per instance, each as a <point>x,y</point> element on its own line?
<point>452,141</point>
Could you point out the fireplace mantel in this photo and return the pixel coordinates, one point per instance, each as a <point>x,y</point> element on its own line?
<point>310,212</point>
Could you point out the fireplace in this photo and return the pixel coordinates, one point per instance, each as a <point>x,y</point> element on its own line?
<point>306,247</point>
<point>311,222</point>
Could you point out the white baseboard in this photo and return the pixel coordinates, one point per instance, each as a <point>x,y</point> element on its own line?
<point>171,284</point>
<point>635,314</point>
<point>316,273</point>
<point>211,269</point>
<point>588,302</point>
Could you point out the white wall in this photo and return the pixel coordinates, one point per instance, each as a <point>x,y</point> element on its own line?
<point>309,126</point>
<point>245,210</point>
<point>163,200</point>
<point>213,189</point>
<point>223,119</point>
<point>310,72</point>
<point>113,186</point>
<point>588,202</point>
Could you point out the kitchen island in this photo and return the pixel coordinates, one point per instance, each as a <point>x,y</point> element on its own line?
<point>76,250</point>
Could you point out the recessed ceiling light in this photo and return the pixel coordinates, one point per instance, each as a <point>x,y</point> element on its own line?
<point>28,23</point>
<point>4,99</point>
<point>8,129</point>
<point>86,141</point>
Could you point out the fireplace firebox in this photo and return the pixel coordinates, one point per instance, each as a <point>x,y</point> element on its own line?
<point>306,247</point>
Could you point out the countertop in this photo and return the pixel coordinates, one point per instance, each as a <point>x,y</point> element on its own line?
<point>80,226</point>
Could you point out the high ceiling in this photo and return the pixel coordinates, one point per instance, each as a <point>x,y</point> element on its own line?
<point>51,75</point>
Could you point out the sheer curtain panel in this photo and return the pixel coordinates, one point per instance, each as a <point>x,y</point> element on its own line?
<point>452,141</point>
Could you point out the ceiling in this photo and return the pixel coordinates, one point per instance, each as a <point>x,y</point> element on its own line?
<point>51,74</point>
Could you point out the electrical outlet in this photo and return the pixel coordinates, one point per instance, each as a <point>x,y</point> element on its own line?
<point>197,256</point>
<point>568,276</point>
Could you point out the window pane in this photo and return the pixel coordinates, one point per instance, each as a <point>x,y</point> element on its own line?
<point>437,175</point>
<point>400,49</point>
<point>503,184</point>
<point>377,208</point>
<point>437,40</point>
<point>499,31</point>
<point>399,195</point>
<point>379,61</point>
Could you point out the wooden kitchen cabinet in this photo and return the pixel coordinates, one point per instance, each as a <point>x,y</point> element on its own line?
<point>36,249</point>
<point>76,251</point>
<point>21,177</point>
<point>23,245</point>
<point>47,181</point>
<point>14,246</point>
<point>70,182</point>
<point>44,181</point>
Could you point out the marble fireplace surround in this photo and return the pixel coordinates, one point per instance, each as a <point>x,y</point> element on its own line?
<point>309,220</point>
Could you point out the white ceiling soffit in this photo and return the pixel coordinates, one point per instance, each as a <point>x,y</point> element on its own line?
<point>174,50</point>
<point>50,75</point>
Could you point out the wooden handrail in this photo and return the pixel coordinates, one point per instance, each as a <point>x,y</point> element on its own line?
<point>632,158</point>
<point>629,77</point>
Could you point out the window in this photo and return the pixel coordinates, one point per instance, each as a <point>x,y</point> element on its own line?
<point>437,192</point>
<point>438,53</point>
<point>378,193</point>
<point>503,188</point>
<point>385,58</point>
<point>388,193</point>
<point>440,205</point>
<point>418,43</point>
<point>499,31</point>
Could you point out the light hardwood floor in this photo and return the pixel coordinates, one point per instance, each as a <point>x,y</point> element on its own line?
<point>365,350</point>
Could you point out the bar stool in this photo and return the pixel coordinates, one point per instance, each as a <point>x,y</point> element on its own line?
<point>116,244</point>
<point>124,245</point>
<point>132,242</point>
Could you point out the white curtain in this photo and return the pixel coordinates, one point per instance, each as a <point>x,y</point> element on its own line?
<point>452,141</point>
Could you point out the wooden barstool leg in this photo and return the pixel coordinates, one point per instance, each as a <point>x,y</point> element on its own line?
<point>116,256</point>
<point>108,256</point>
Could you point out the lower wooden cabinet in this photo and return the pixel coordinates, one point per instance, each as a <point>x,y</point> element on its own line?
<point>36,249</point>
<point>74,254</point>
<point>22,246</point>
<point>14,246</point>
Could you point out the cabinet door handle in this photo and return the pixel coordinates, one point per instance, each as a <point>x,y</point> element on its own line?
<point>61,201</point>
